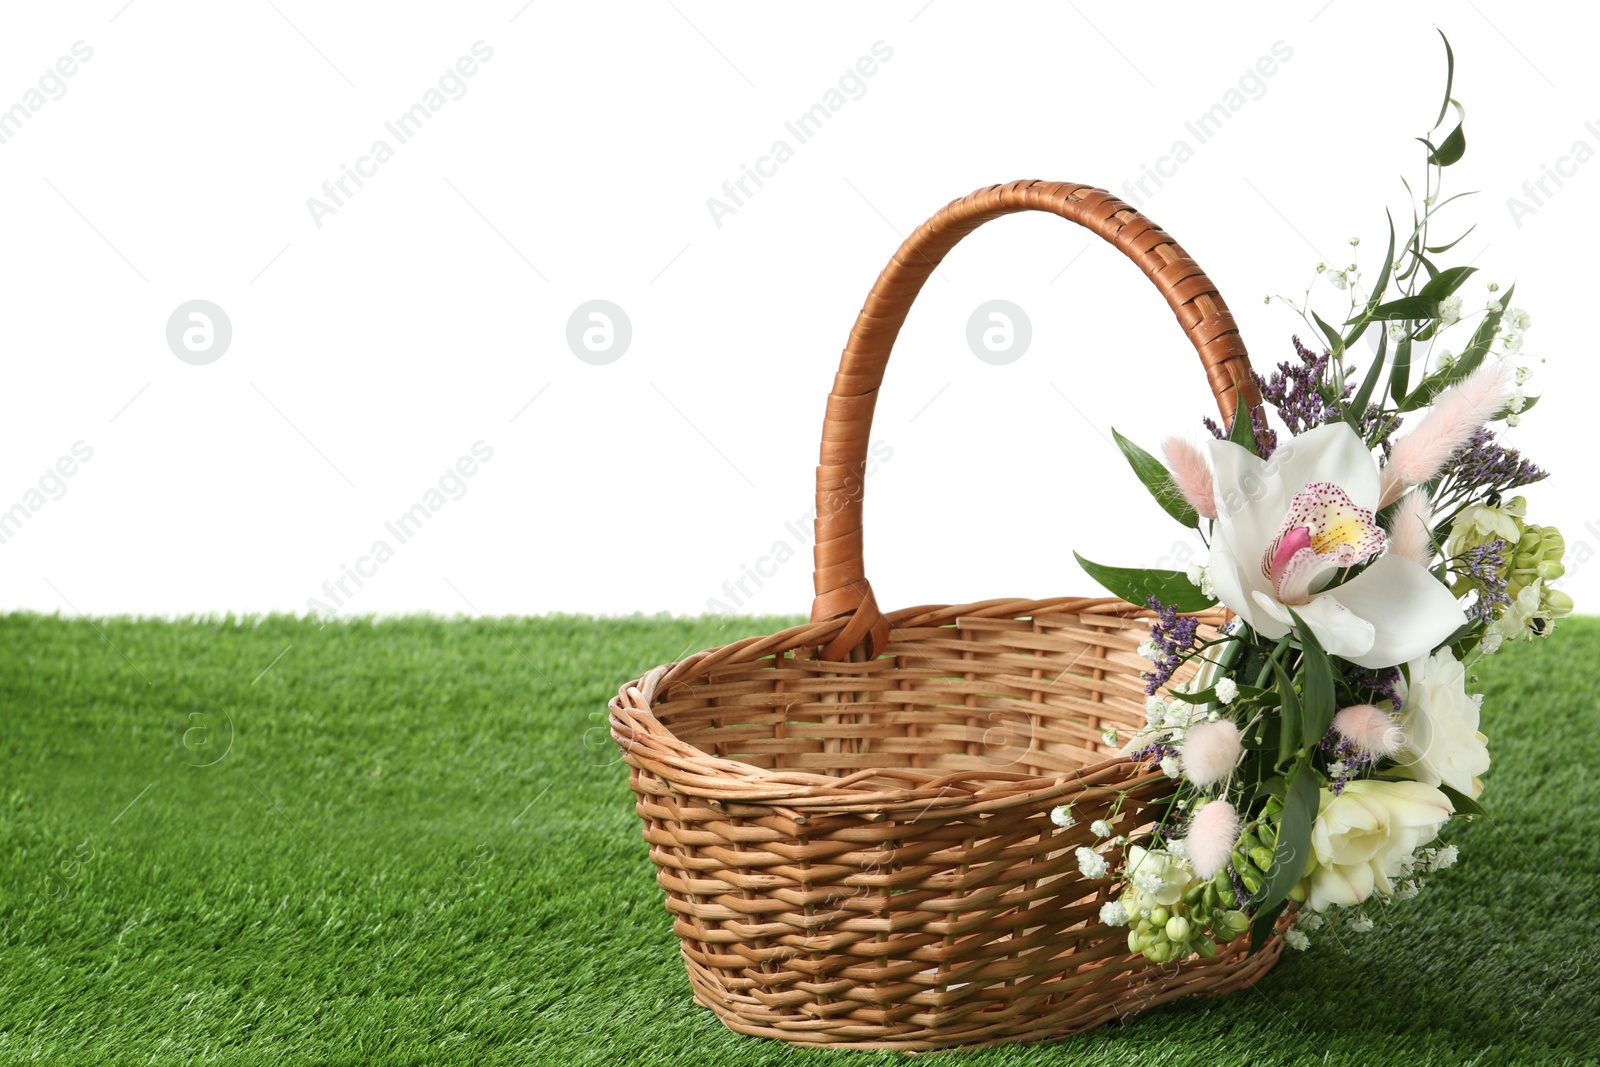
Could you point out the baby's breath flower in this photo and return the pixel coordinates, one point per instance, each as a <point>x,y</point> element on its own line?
<point>1519,318</point>
<point>1062,816</point>
<point>1149,650</point>
<point>1296,940</point>
<point>1169,767</point>
<point>1309,920</point>
<point>1109,736</point>
<point>1227,689</point>
<point>1450,310</point>
<point>1091,864</point>
<point>1360,923</point>
<point>1444,857</point>
<point>1100,828</point>
<point>1113,913</point>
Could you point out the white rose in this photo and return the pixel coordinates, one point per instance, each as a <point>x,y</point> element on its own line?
<point>1440,723</point>
<point>1365,836</point>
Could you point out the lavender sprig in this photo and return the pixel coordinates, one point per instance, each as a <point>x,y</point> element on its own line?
<point>1486,566</point>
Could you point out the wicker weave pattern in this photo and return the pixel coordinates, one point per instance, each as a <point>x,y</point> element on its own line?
<point>851,819</point>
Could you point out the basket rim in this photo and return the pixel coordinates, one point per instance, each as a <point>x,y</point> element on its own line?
<point>650,745</point>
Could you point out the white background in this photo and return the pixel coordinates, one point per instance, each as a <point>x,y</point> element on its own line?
<point>423,316</point>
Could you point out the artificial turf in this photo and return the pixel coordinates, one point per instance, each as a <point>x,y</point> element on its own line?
<point>411,841</point>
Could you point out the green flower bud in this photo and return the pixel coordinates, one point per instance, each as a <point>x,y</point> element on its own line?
<point>1222,932</point>
<point>1268,834</point>
<point>1178,929</point>
<point>1248,842</point>
<point>1237,921</point>
<point>1211,899</point>
<point>1205,946</point>
<point>1557,603</point>
<point>1549,571</point>
<point>1298,893</point>
<point>1273,808</point>
<point>1194,896</point>
<point>1251,878</point>
<point>1261,856</point>
<point>1136,940</point>
<point>1159,917</point>
<point>1227,897</point>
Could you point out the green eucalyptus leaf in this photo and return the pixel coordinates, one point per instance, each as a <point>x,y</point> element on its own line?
<point>1156,478</point>
<point>1319,698</point>
<point>1406,308</point>
<point>1335,342</point>
<point>1449,78</point>
<point>1137,584</point>
<point>1465,364</point>
<point>1464,804</point>
<point>1261,926</point>
<point>1290,712</point>
<point>1357,407</point>
<point>1451,149</point>
<point>1365,318</point>
<point>1446,282</point>
<point>1243,432</point>
<point>1400,373</point>
<point>1292,854</point>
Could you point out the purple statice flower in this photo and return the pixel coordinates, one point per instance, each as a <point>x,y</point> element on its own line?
<point>1173,635</point>
<point>1485,464</point>
<point>1156,753</point>
<point>1296,391</point>
<point>1382,684</point>
<point>1485,565</point>
<point>1344,753</point>
<point>1266,436</point>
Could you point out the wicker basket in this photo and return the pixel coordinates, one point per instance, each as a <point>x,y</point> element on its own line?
<point>851,818</point>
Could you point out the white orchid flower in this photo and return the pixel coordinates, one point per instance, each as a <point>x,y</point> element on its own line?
<point>1288,527</point>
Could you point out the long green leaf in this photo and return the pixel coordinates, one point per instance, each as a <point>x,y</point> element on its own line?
<point>1243,431</point>
<point>1289,712</point>
<point>1137,584</point>
<point>1363,320</point>
<point>1335,342</point>
<point>1407,307</point>
<point>1464,804</point>
<point>1261,926</point>
<point>1451,149</point>
<point>1449,78</point>
<point>1465,364</point>
<point>1447,282</point>
<point>1292,854</point>
<point>1318,704</point>
<point>1400,375</point>
<point>1357,407</point>
<point>1156,478</point>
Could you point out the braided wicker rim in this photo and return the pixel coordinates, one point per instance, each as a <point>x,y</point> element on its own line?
<point>844,865</point>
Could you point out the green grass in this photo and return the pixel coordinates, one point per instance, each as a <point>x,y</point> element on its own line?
<point>414,844</point>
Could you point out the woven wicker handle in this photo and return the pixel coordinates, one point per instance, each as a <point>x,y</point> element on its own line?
<point>841,581</point>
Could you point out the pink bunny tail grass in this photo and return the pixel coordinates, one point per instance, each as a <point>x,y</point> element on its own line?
<point>1210,751</point>
<point>1212,833</point>
<point>1370,729</point>
<point>1409,532</point>
<point>1192,475</point>
<point>1457,413</point>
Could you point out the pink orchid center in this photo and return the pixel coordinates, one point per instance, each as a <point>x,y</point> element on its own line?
<point>1323,532</point>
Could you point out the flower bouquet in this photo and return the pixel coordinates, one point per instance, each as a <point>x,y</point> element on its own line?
<point>1367,548</point>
